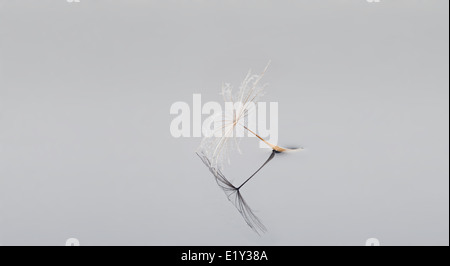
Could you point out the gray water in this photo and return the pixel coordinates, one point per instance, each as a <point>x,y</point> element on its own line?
<point>86,151</point>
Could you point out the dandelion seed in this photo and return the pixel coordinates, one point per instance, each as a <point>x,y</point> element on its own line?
<point>214,150</point>
<point>217,149</point>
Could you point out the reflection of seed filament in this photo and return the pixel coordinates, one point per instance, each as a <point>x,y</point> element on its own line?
<point>234,194</point>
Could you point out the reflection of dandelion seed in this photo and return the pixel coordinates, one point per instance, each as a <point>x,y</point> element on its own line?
<point>214,149</point>
<point>234,194</point>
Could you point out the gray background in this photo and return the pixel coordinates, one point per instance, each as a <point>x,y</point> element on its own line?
<point>85,147</point>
